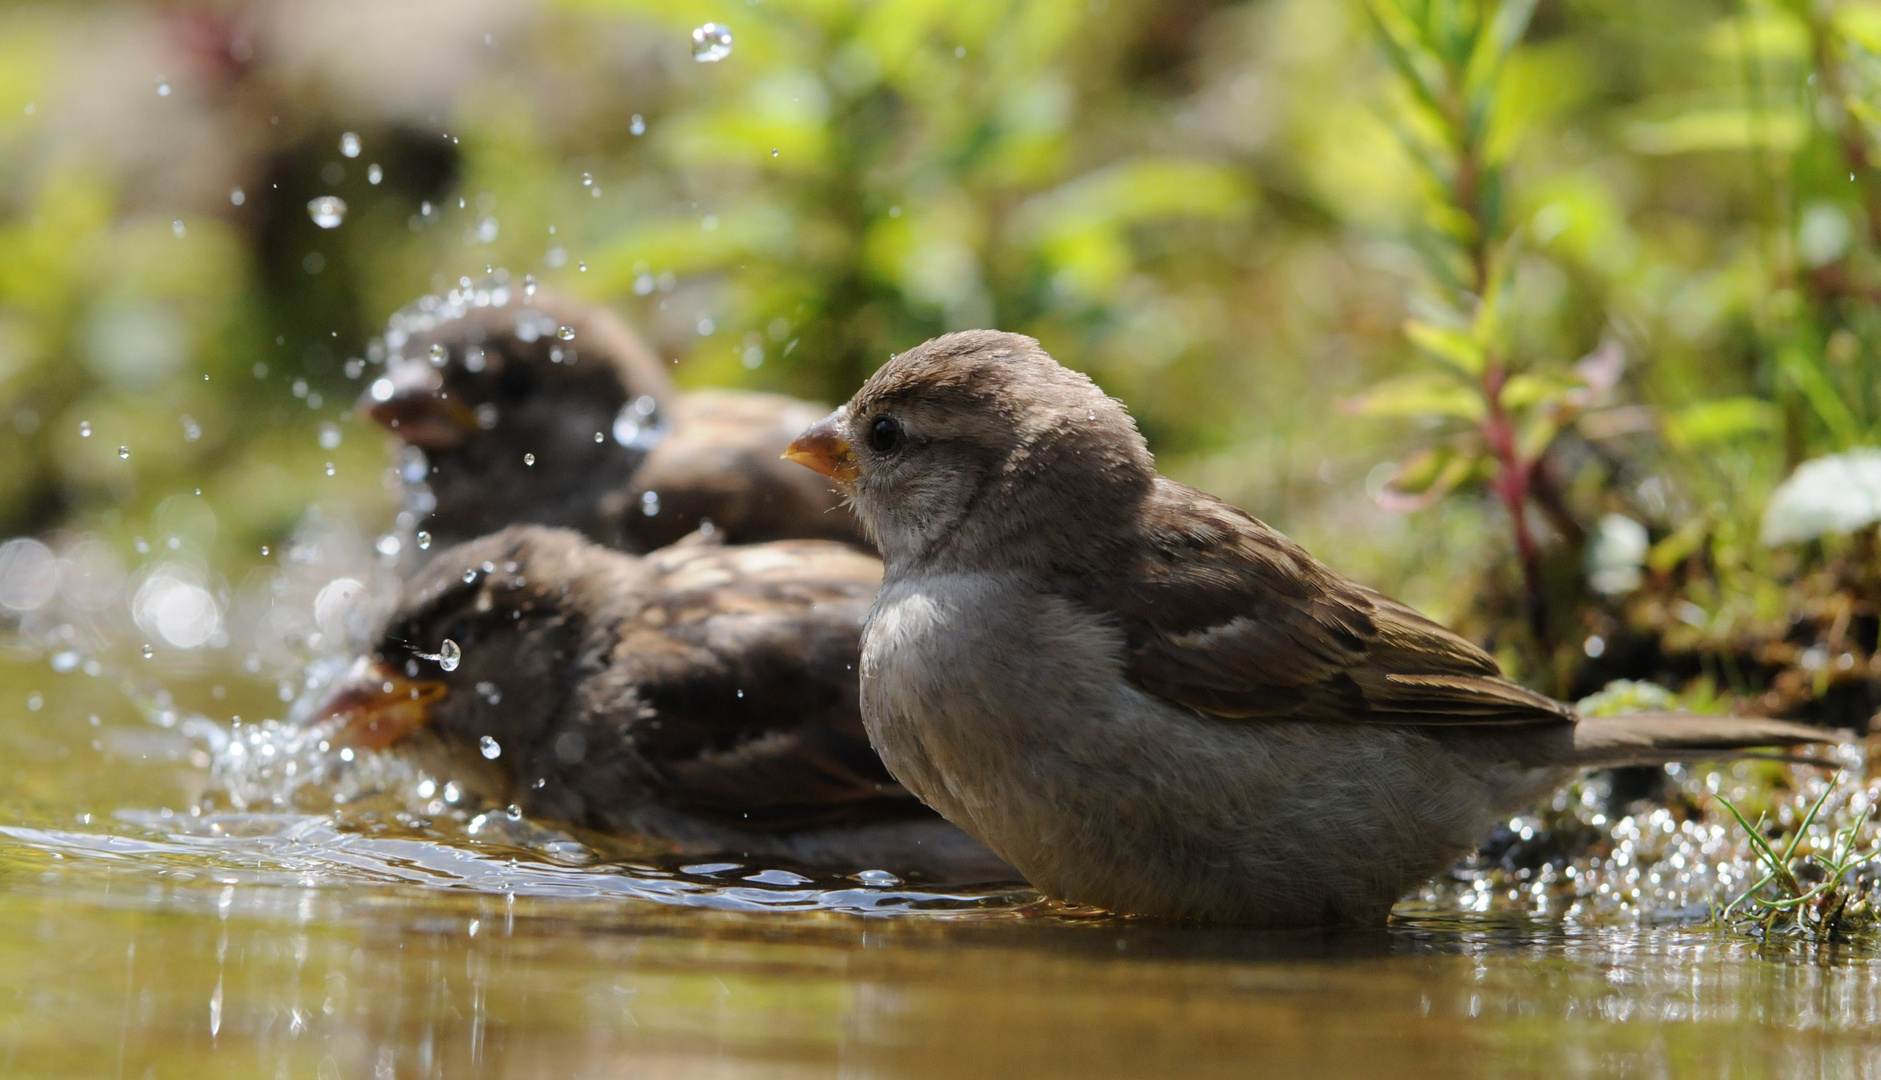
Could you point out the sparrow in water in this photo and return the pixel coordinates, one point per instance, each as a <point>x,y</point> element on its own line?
<point>1146,699</point>
<point>536,410</point>
<point>704,696</point>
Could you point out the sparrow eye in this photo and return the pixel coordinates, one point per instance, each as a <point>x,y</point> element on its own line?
<point>885,434</point>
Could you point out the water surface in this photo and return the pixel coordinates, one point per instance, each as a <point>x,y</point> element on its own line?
<point>151,929</point>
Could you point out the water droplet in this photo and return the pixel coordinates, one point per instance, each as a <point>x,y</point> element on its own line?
<point>438,354</point>
<point>84,429</point>
<point>529,284</point>
<point>587,179</point>
<point>163,88</point>
<point>711,43</point>
<point>637,125</point>
<point>566,333</point>
<point>327,211</point>
<point>489,748</point>
<point>880,879</point>
<point>329,435</point>
<point>329,468</point>
<point>179,229</point>
<point>650,503</point>
<point>382,389</point>
<point>449,655</point>
<point>264,549</point>
<point>124,452</point>
<point>529,459</point>
<point>424,540</point>
<point>598,437</point>
<point>470,577</point>
<point>349,145</point>
<point>149,652</point>
<point>773,151</point>
<point>374,174</point>
<point>237,196</point>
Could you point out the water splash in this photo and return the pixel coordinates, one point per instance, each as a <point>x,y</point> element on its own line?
<point>711,43</point>
<point>327,211</point>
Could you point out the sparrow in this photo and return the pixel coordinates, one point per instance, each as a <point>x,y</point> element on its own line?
<point>703,696</point>
<point>536,410</point>
<point>1147,700</point>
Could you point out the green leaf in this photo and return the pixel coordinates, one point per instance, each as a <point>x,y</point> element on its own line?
<point>1425,394</point>
<point>1725,128</point>
<point>1719,421</point>
<point>1529,389</point>
<point>1453,347</point>
<point>1861,24</point>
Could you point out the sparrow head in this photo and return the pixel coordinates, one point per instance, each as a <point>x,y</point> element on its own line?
<point>979,447</point>
<point>481,644</point>
<point>530,401</point>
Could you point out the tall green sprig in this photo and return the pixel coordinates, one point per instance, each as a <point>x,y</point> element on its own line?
<point>1450,58</point>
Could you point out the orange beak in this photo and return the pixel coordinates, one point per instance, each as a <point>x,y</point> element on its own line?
<point>822,450</point>
<point>381,707</point>
<point>410,402</point>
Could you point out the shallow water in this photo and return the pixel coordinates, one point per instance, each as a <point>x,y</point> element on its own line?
<point>150,928</point>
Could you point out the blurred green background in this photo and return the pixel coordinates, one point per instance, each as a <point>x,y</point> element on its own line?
<point>1519,311</point>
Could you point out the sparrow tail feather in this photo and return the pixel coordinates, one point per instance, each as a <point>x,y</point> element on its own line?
<point>1659,738</point>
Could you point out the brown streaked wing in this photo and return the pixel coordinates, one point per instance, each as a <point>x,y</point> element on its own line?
<point>781,622</point>
<point>1227,616</point>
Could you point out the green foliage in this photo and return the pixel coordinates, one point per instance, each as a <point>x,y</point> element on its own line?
<point>1564,264</point>
<point>1805,893</point>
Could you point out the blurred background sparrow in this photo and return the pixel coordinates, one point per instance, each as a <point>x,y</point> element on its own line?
<point>702,698</point>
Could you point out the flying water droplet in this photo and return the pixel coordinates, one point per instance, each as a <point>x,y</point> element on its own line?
<point>84,429</point>
<point>529,459</point>
<point>163,87</point>
<point>438,354</point>
<point>489,748</point>
<point>424,540</point>
<point>470,577</point>
<point>329,435</point>
<point>637,125</point>
<point>124,452</point>
<point>329,468</point>
<point>650,503</point>
<point>529,284</point>
<point>349,145</point>
<point>711,43</point>
<point>179,229</point>
<point>237,196</point>
<point>566,333</point>
<point>327,211</point>
<point>374,174</point>
<point>587,179</point>
<point>149,652</point>
<point>449,656</point>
